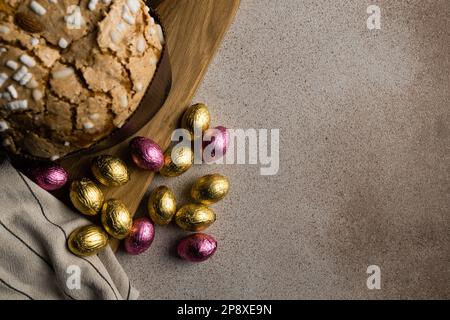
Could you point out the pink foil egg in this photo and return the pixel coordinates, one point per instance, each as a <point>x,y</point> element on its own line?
<point>141,236</point>
<point>197,247</point>
<point>49,177</point>
<point>215,143</point>
<point>146,154</point>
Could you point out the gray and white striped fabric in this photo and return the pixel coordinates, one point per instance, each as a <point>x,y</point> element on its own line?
<point>35,262</point>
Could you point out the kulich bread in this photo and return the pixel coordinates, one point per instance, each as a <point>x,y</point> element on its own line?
<point>72,71</point>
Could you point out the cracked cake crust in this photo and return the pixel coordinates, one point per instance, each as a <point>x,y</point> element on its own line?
<point>76,80</point>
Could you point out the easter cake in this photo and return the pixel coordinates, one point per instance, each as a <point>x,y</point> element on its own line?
<point>71,71</point>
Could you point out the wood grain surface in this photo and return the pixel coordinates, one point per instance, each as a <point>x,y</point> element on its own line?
<point>194,31</point>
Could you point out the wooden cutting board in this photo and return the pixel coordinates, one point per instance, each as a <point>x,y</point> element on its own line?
<point>194,31</point>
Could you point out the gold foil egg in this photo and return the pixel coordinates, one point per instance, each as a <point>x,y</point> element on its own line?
<point>194,217</point>
<point>86,196</point>
<point>196,119</point>
<point>116,219</point>
<point>177,160</point>
<point>210,189</point>
<point>87,240</point>
<point>110,171</point>
<point>162,205</point>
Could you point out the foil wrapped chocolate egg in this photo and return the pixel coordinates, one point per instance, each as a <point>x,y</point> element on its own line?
<point>146,154</point>
<point>215,143</point>
<point>86,196</point>
<point>210,189</point>
<point>194,217</point>
<point>177,160</point>
<point>162,205</point>
<point>116,219</point>
<point>49,177</point>
<point>110,171</point>
<point>197,247</point>
<point>196,119</point>
<point>141,236</point>
<point>87,240</point>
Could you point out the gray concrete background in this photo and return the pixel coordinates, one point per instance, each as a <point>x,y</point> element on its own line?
<point>364,151</point>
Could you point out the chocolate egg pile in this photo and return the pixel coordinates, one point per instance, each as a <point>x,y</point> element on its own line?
<point>116,220</point>
<point>195,216</point>
<point>191,217</point>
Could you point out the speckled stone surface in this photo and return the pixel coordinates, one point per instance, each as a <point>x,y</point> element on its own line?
<point>364,157</point>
